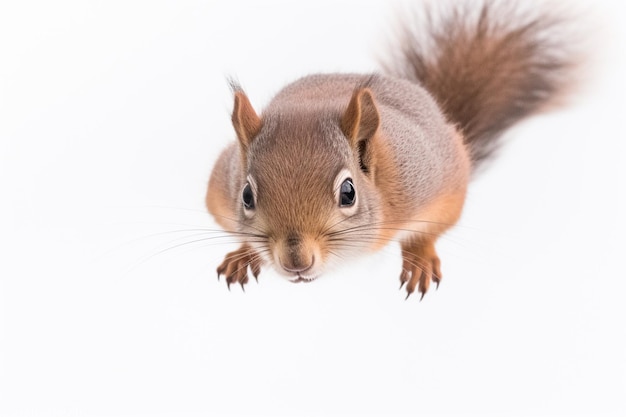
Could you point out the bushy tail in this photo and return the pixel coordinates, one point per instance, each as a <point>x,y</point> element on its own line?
<point>487,66</point>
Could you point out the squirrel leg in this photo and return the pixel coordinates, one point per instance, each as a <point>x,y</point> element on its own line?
<point>420,265</point>
<point>236,263</point>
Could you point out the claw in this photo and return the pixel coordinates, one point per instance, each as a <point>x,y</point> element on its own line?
<point>235,266</point>
<point>420,266</point>
<point>256,270</point>
<point>403,277</point>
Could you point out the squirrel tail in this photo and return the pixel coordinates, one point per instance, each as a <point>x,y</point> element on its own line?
<point>487,67</point>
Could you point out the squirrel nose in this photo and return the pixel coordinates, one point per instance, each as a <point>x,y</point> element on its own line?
<point>296,266</point>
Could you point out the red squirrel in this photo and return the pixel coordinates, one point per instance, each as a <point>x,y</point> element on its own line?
<point>342,164</point>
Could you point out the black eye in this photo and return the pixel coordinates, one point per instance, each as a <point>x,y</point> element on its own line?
<point>247,197</point>
<point>347,194</point>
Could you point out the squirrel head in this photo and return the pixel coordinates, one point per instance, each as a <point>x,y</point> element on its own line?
<point>308,195</point>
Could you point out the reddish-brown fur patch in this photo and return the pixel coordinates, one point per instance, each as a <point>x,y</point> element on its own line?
<point>361,119</point>
<point>219,196</point>
<point>246,122</point>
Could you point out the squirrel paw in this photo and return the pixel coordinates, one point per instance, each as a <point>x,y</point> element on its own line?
<point>420,265</point>
<point>235,266</point>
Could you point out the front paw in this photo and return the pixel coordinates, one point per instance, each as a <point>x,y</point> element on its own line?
<point>420,266</point>
<point>235,266</point>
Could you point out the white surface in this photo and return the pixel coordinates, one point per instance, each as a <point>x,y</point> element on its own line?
<point>111,115</point>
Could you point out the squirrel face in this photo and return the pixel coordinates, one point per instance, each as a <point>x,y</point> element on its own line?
<point>305,198</point>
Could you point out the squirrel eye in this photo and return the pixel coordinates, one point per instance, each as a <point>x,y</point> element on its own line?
<point>248,197</point>
<point>347,193</point>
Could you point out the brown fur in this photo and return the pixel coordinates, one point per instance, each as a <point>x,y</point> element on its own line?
<point>406,145</point>
<point>219,198</point>
<point>487,71</point>
<point>245,120</point>
<point>361,119</point>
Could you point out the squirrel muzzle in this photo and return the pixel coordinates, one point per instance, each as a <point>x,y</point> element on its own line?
<point>298,257</point>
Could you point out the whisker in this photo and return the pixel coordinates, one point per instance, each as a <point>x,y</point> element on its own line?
<point>161,207</point>
<point>327,229</point>
<point>373,227</point>
<point>249,252</point>
<point>254,257</point>
<point>201,230</point>
<point>170,247</point>
<point>262,232</point>
<point>367,233</point>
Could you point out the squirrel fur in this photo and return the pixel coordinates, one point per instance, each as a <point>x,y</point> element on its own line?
<point>337,165</point>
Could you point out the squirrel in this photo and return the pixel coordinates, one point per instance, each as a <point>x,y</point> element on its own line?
<point>339,165</point>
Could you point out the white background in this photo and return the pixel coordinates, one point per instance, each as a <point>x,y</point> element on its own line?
<point>111,116</point>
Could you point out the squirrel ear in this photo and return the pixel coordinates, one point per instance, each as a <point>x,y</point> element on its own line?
<point>245,120</point>
<point>361,119</point>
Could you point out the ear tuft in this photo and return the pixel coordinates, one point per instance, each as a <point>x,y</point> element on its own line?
<point>360,121</point>
<point>246,122</point>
